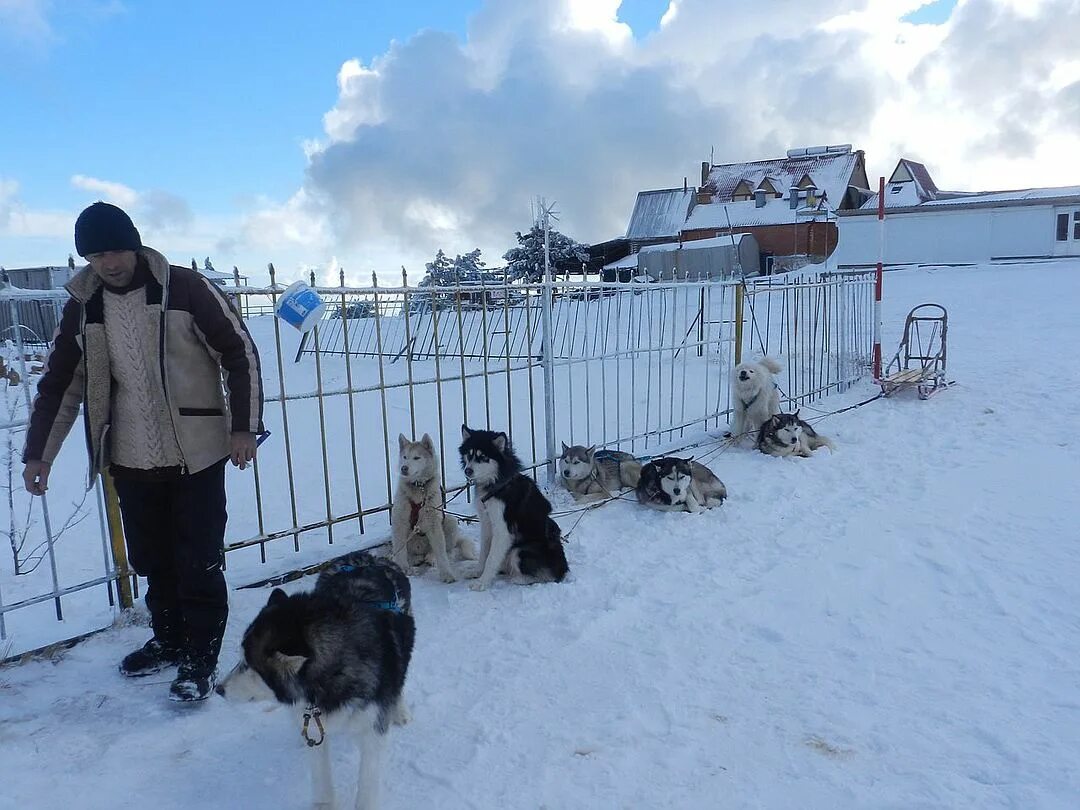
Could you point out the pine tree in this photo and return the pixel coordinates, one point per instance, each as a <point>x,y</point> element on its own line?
<point>526,261</point>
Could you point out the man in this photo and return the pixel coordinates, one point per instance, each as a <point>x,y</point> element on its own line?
<point>143,347</point>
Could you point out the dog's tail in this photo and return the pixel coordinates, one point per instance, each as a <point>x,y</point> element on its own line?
<point>772,365</point>
<point>456,541</point>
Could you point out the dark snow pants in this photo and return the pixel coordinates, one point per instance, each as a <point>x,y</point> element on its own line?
<point>175,532</point>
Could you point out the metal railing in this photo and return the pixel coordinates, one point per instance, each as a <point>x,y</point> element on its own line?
<point>639,367</point>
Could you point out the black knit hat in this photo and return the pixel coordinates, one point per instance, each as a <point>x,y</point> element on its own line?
<point>103,227</point>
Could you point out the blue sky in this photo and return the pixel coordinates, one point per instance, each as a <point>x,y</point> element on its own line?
<point>222,124</point>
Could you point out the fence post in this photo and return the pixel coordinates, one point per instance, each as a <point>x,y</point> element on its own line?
<point>116,540</point>
<point>549,350</point>
<point>701,323</point>
<point>739,293</point>
<point>877,278</point>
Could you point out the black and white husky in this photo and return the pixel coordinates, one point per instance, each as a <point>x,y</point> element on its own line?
<point>338,653</point>
<point>517,534</point>
<point>785,434</point>
<point>679,485</point>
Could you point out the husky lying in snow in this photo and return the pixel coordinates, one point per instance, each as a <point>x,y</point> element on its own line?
<point>422,532</point>
<point>341,652</point>
<point>517,534</point>
<point>756,397</point>
<point>678,484</point>
<point>590,474</point>
<point>785,434</point>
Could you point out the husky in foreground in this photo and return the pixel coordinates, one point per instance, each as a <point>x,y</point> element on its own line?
<point>785,434</point>
<point>590,474</point>
<point>755,396</point>
<point>517,534</point>
<point>422,532</point>
<point>679,484</point>
<point>338,653</point>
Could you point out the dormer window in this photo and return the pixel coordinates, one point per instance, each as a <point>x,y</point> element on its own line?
<point>742,192</point>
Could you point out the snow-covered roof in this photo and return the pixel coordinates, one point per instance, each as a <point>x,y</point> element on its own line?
<point>623,263</point>
<point>216,275</point>
<point>831,172</point>
<point>745,214</point>
<point>659,213</point>
<point>909,184</point>
<point>980,199</point>
<point>695,244</point>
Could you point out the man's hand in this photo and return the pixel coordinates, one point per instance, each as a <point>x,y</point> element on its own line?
<point>36,477</point>
<point>243,449</point>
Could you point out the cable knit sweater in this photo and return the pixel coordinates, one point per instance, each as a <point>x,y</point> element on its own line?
<point>142,435</point>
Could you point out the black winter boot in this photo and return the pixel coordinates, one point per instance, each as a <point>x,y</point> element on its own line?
<point>151,657</point>
<point>195,679</point>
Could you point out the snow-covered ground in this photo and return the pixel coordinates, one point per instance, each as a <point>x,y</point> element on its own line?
<point>893,626</point>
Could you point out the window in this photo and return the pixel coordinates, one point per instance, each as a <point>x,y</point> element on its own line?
<point>1076,224</point>
<point>1062,227</point>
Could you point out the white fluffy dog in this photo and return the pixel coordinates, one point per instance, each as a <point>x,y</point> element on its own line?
<point>756,396</point>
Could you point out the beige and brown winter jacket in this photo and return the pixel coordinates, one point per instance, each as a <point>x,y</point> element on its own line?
<point>199,339</point>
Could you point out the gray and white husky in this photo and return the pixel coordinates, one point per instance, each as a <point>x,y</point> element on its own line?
<point>679,484</point>
<point>785,434</point>
<point>590,474</point>
<point>338,653</point>
<point>421,531</point>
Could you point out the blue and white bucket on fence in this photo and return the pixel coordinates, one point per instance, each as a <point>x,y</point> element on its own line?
<point>300,306</point>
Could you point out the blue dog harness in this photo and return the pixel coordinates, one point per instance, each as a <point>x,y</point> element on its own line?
<point>394,606</point>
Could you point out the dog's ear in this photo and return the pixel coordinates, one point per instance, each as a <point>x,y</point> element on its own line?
<point>797,412</point>
<point>425,440</point>
<point>277,597</point>
<point>465,432</point>
<point>565,447</point>
<point>688,458</point>
<point>591,450</point>
<point>500,442</point>
<point>401,441</point>
<point>291,663</point>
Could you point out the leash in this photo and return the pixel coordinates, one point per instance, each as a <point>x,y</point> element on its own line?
<point>313,712</point>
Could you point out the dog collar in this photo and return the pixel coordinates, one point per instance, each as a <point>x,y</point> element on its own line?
<point>394,606</point>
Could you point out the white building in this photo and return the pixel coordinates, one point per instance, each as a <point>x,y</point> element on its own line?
<point>924,225</point>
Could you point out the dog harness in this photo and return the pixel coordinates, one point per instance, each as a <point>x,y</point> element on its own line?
<point>394,606</point>
<point>754,398</point>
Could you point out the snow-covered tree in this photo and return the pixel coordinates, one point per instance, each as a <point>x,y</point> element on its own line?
<point>444,271</point>
<point>526,261</point>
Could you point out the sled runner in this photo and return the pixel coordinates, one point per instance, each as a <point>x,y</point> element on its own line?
<point>920,360</point>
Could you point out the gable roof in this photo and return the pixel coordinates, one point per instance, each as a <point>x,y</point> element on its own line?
<point>659,213</point>
<point>830,168</point>
<point>909,184</point>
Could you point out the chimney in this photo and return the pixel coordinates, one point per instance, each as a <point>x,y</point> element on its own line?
<point>684,184</point>
<point>793,197</point>
<point>759,198</point>
<point>705,168</point>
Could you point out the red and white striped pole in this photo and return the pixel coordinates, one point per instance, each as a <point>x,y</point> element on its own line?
<point>877,278</point>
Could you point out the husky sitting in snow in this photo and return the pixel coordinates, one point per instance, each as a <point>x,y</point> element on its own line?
<point>422,532</point>
<point>785,434</point>
<point>338,653</point>
<point>679,484</point>
<point>517,534</point>
<point>755,396</point>
<point>590,474</point>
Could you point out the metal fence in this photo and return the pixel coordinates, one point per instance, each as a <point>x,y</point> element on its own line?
<point>639,367</point>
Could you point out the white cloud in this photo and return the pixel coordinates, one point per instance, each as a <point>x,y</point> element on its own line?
<point>26,20</point>
<point>115,193</point>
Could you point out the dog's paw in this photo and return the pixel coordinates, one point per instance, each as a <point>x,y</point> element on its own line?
<point>472,571</point>
<point>479,585</point>
<point>402,716</point>
<point>448,576</point>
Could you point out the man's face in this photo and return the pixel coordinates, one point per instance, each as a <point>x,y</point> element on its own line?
<point>114,267</point>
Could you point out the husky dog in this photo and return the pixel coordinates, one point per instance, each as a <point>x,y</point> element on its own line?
<point>785,434</point>
<point>756,396</point>
<point>517,534</point>
<point>590,474</point>
<point>679,484</point>
<point>340,651</point>
<point>421,531</point>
